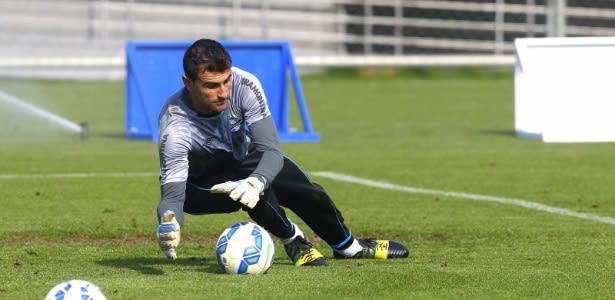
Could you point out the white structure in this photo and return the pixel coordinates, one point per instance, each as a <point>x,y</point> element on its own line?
<point>564,89</point>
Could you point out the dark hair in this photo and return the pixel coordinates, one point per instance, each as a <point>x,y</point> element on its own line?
<point>205,55</point>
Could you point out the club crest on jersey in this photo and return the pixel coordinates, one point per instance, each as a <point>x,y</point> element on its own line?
<point>234,124</point>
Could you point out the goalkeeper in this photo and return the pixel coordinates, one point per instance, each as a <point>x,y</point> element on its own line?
<point>219,153</point>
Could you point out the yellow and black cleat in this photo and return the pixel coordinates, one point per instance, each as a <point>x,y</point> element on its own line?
<point>303,253</point>
<point>380,249</point>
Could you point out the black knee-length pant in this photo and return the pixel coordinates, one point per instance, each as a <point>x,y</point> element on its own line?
<point>291,188</point>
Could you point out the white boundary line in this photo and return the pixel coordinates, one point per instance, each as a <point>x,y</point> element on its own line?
<point>461,195</point>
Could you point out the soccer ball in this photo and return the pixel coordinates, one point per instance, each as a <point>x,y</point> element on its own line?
<point>245,248</point>
<point>75,290</point>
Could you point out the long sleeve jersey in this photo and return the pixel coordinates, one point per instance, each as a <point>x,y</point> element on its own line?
<point>188,139</point>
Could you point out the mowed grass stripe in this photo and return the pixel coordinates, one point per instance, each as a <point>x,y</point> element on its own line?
<point>361,181</point>
<point>462,195</point>
<point>76,175</point>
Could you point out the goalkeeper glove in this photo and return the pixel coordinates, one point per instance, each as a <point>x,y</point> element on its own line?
<point>246,191</point>
<point>168,234</point>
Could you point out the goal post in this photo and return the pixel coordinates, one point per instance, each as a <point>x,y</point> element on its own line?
<point>154,70</point>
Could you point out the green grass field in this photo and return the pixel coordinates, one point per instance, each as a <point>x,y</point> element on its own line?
<point>443,131</point>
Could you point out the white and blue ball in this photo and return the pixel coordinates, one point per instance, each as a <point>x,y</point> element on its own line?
<point>75,290</point>
<point>245,248</point>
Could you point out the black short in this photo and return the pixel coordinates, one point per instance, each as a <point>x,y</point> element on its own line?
<point>225,168</point>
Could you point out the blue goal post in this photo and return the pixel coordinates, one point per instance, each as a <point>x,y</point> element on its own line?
<point>154,70</point>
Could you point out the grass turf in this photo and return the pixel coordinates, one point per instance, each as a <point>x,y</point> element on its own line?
<point>448,131</point>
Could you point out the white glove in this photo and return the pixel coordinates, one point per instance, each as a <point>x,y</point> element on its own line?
<point>246,191</point>
<point>168,234</point>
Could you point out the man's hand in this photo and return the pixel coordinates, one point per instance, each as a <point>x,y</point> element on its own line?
<point>168,234</point>
<point>226,187</point>
<point>246,191</point>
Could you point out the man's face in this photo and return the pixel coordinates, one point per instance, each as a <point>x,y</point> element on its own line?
<point>210,91</point>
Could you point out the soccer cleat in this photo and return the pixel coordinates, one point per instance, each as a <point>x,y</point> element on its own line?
<point>381,249</point>
<point>303,253</point>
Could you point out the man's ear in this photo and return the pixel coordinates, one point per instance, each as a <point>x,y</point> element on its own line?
<point>187,82</point>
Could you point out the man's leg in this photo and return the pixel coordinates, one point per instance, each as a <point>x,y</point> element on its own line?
<point>314,206</point>
<point>266,213</point>
<point>269,214</point>
<point>223,167</point>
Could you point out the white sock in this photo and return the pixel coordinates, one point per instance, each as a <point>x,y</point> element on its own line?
<point>298,232</point>
<point>353,249</point>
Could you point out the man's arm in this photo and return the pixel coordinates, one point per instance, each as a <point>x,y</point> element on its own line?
<point>173,151</point>
<point>263,135</point>
<point>265,138</point>
<point>172,198</point>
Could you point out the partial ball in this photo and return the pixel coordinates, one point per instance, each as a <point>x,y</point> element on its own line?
<point>75,290</point>
<point>245,248</point>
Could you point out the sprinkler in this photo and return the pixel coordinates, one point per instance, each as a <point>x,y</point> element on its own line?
<point>84,133</point>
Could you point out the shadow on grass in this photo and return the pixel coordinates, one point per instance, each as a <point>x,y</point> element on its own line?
<point>501,132</point>
<point>154,266</point>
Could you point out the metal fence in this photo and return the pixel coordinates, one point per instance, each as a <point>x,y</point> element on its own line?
<point>322,32</point>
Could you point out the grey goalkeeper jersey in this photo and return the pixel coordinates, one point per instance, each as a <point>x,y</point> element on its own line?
<point>188,139</point>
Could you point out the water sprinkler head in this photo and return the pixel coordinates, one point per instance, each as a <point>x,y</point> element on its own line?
<point>84,134</point>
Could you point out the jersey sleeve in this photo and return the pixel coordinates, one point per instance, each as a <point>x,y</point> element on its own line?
<point>265,138</point>
<point>173,150</point>
<point>263,133</point>
<point>253,99</point>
